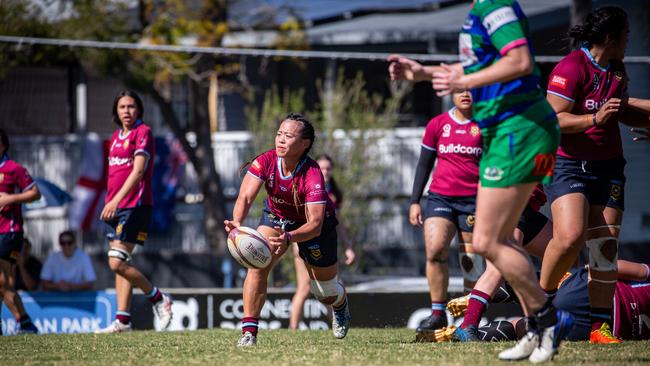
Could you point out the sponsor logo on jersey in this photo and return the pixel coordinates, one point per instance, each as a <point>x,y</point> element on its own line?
<point>114,160</point>
<point>474,131</point>
<point>558,81</point>
<point>271,180</point>
<point>256,164</point>
<point>461,132</point>
<point>281,201</point>
<point>125,144</point>
<point>467,55</point>
<point>544,165</point>
<point>498,18</point>
<point>593,105</point>
<point>492,173</point>
<point>283,189</point>
<point>142,236</point>
<point>446,129</point>
<point>459,149</point>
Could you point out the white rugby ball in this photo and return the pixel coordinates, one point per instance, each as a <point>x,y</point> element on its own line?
<point>249,247</point>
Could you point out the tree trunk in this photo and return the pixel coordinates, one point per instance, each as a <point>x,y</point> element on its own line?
<point>579,10</point>
<point>202,158</point>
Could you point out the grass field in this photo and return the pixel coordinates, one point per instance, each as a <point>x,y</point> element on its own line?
<point>217,347</point>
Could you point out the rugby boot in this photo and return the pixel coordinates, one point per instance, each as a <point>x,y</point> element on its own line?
<point>550,338</point>
<point>603,335</point>
<point>247,339</point>
<point>424,331</point>
<point>115,327</point>
<point>341,322</point>
<point>469,334</point>
<point>163,311</point>
<point>522,350</point>
<point>443,334</point>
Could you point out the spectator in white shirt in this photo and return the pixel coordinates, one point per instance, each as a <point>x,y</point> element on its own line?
<point>68,270</point>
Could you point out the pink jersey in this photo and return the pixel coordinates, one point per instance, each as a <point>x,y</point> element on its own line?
<point>459,147</point>
<point>579,79</point>
<point>13,179</point>
<point>123,149</point>
<point>631,310</point>
<point>306,181</point>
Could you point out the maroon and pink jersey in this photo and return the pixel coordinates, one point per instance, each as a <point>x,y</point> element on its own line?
<point>631,310</point>
<point>123,149</point>
<point>13,179</point>
<point>306,184</point>
<point>579,79</point>
<point>458,146</point>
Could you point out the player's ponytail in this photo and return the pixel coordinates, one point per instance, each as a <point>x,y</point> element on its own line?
<point>598,25</point>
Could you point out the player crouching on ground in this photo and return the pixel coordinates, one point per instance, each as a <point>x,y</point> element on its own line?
<point>299,210</point>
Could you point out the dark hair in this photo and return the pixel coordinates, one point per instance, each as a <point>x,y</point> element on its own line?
<point>306,132</point>
<point>138,103</point>
<point>598,25</point>
<point>334,187</point>
<point>5,140</point>
<point>69,233</point>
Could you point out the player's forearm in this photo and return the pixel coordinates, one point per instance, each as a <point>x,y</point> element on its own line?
<point>640,104</point>
<point>515,64</point>
<point>574,123</point>
<point>242,206</point>
<point>309,230</point>
<point>635,117</point>
<point>27,196</point>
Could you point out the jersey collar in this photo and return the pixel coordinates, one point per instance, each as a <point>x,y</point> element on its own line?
<point>137,123</point>
<point>593,60</point>
<point>294,171</point>
<point>451,115</point>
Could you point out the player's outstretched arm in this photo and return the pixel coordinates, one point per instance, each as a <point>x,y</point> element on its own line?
<point>402,68</point>
<point>637,113</point>
<point>576,123</point>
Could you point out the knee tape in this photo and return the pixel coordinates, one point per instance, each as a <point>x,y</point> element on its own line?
<point>598,260</point>
<point>471,264</point>
<point>120,254</point>
<point>325,289</point>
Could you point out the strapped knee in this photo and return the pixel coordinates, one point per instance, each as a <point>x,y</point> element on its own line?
<point>471,264</point>
<point>120,254</point>
<point>603,253</point>
<point>328,289</point>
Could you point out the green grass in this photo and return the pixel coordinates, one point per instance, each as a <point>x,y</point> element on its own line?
<point>217,347</point>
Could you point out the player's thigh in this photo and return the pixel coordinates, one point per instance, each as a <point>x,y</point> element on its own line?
<point>438,234</point>
<point>302,275</point>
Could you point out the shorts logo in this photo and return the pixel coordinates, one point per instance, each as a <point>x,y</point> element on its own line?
<point>142,236</point>
<point>544,165</point>
<point>577,185</point>
<point>125,144</point>
<point>314,251</point>
<point>558,81</point>
<point>119,228</point>
<point>14,255</point>
<point>618,75</point>
<point>474,131</point>
<point>615,192</point>
<point>444,209</point>
<point>470,220</point>
<point>493,173</point>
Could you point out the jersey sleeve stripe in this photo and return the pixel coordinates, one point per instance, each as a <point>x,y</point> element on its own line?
<point>248,172</point>
<point>428,147</point>
<point>29,186</point>
<point>561,96</point>
<point>315,202</point>
<point>143,152</point>
<point>514,44</point>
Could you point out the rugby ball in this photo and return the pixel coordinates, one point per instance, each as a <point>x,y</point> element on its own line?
<point>249,248</point>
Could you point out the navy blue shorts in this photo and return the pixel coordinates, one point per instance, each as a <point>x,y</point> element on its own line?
<point>601,181</point>
<point>319,251</point>
<point>459,210</point>
<point>573,296</point>
<point>531,223</point>
<point>11,244</point>
<point>130,225</point>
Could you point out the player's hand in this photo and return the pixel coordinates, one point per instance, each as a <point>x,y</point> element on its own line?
<point>415,215</point>
<point>350,256</point>
<point>643,134</point>
<point>108,213</point>
<point>402,68</point>
<point>279,244</point>
<point>230,224</point>
<point>607,111</point>
<point>447,81</point>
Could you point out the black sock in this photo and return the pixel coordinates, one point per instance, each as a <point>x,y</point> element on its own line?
<point>546,316</point>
